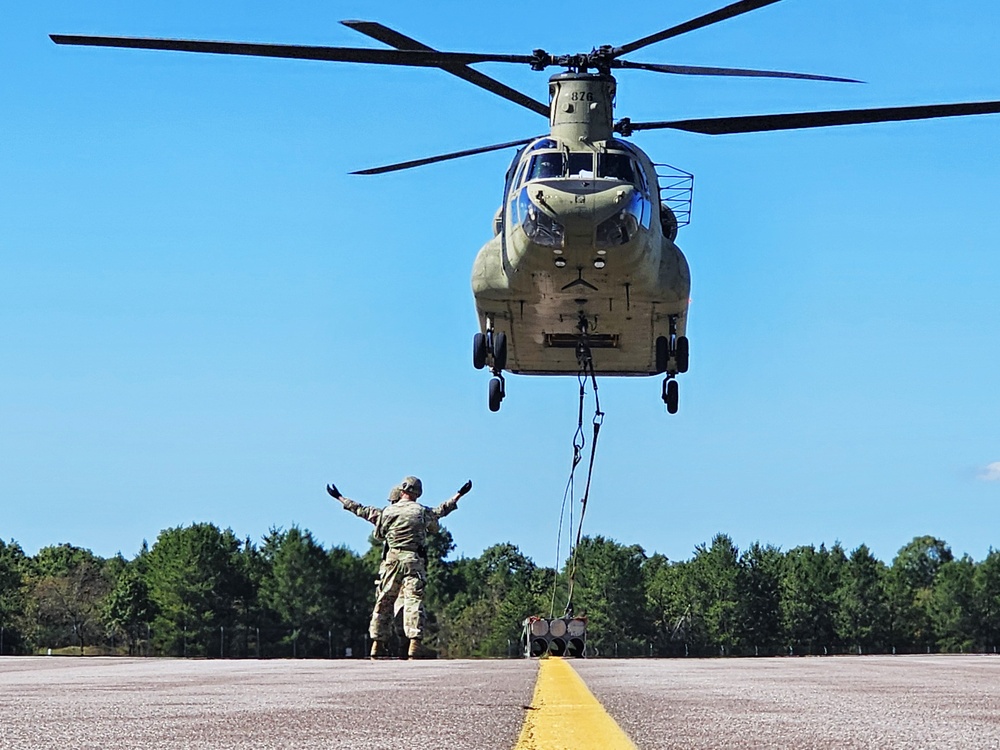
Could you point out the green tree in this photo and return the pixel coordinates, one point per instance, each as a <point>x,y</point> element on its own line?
<point>69,587</point>
<point>296,587</point>
<point>809,583</point>
<point>128,608</point>
<point>986,590</point>
<point>352,592</point>
<point>195,580</point>
<point>610,591</point>
<point>13,566</point>
<point>669,605</point>
<point>910,582</point>
<point>862,603</point>
<point>759,598</point>
<point>951,605</point>
<point>714,574</point>
<point>499,590</point>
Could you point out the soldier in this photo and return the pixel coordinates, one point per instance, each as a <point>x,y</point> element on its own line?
<point>372,513</point>
<point>404,527</point>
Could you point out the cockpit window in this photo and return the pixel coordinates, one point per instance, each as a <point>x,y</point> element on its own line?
<point>546,166</point>
<point>543,143</point>
<point>581,165</point>
<point>554,164</point>
<point>616,167</point>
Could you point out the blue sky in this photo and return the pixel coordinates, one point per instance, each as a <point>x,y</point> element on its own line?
<point>203,317</point>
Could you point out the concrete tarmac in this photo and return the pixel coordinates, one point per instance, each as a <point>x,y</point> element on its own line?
<point>842,702</point>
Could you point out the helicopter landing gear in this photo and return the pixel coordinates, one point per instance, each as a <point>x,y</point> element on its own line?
<point>496,393</point>
<point>479,351</point>
<point>672,358</point>
<point>491,347</point>
<point>499,350</point>
<point>681,353</point>
<point>671,394</point>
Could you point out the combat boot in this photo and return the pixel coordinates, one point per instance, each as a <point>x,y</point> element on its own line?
<point>379,650</point>
<point>419,651</point>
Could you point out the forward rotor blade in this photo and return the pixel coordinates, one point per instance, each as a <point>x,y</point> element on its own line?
<point>696,70</point>
<point>801,120</point>
<point>400,41</point>
<point>444,157</point>
<point>730,11</point>
<point>298,52</point>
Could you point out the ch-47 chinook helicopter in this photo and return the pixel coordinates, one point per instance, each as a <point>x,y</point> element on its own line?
<point>583,255</point>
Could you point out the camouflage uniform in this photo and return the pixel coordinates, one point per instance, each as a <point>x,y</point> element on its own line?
<point>372,514</point>
<point>404,526</point>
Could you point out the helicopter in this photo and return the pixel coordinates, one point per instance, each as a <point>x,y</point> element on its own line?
<point>582,274</point>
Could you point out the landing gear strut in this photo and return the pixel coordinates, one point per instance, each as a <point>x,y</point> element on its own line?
<point>491,347</point>
<point>672,357</point>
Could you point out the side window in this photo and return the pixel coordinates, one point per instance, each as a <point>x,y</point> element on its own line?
<point>516,183</point>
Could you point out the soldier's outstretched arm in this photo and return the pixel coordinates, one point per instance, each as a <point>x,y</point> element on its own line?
<point>368,512</point>
<point>451,503</point>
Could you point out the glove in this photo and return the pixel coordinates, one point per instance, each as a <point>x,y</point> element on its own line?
<point>333,491</point>
<point>465,488</point>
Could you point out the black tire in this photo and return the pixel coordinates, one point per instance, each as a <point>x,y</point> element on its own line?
<point>673,395</point>
<point>662,353</point>
<point>499,350</point>
<point>479,351</point>
<point>668,222</point>
<point>496,394</point>
<point>682,354</point>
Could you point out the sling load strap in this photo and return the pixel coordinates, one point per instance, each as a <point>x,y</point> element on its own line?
<point>579,441</point>
<point>586,370</point>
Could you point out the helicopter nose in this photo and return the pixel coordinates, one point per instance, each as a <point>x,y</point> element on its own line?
<point>573,209</point>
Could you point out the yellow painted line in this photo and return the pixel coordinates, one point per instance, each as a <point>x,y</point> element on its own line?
<point>564,714</point>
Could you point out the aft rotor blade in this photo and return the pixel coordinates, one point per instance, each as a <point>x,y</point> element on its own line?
<point>444,157</point>
<point>800,120</point>
<point>697,70</point>
<point>730,11</point>
<point>403,42</point>
<point>415,58</point>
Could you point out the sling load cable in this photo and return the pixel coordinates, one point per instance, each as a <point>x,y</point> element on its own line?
<point>583,354</point>
<point>579,441</point>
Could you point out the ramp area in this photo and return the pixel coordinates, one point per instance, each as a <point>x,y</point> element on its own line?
<point>843,702</point>
<point>112,703</point>
<point>880,702</point>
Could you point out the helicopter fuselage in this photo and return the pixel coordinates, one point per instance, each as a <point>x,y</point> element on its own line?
<point>582,243</point>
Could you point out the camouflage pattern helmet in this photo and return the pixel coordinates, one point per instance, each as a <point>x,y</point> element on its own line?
<point>413,486</point>
<point>394,494</point>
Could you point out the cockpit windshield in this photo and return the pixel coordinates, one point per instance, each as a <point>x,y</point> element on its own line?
<point>546,166</point>
<point>616,166</point>
<point>554,164</point>
<point>581,165</point>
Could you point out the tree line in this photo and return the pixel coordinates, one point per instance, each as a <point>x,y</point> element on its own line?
<point>201,591</point>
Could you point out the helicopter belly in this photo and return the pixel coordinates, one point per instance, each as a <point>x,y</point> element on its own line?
<point>540,307</point>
